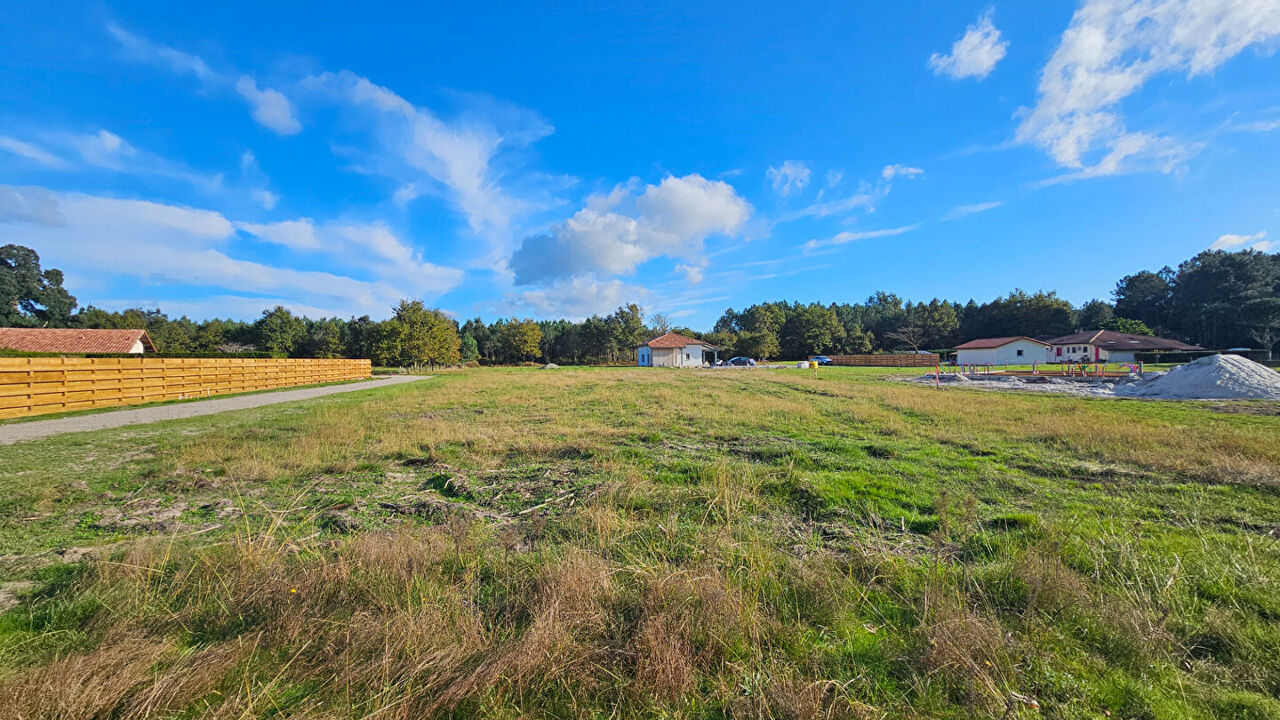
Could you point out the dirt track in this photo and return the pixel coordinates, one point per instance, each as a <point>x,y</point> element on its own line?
<point>31,430</point>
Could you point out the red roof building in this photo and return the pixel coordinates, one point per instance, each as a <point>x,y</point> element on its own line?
<point>76,341</point>
<point>1014,350</point>
<point>675,350</point>
<point>1110,346</point>
<point>991,343</point>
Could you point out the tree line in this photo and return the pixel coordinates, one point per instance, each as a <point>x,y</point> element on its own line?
<point>1217,299</point>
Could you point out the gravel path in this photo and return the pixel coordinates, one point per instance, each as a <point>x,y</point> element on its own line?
<point>16,432</point>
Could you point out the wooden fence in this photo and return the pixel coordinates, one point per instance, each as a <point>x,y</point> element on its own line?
<point>38,385</point>
<point>904,360</point>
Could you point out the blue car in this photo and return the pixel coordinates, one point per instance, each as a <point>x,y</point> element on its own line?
<point>742,362</point>
<point>822,360</point>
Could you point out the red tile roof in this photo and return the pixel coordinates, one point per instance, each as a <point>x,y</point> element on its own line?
<point>988,343</point>
<point>676,340</point>
<point>71,340</point>
<point>1111,340</point>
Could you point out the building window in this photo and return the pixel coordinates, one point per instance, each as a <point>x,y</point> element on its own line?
<point>1019,353</point>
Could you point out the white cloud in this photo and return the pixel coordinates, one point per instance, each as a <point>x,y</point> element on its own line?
<point>834,177</point>
<point>616,232</point>
<point>692,273</point>
<point>368,245</point>
<point>267,199</point>
<point>1109,51</point>
<point>251,174</point>
<point>31,152</point>
<point>975,54</point>
<point>406,195</point>
<point>108,151</point>
<point>144,50</point>
<point>1228,241</point>
<point>1264,246</point>
<point>269,107</point>
<point>29,205</point>
<point>891,171</point>
<point>295,234</point>
<point>848,237</point>
<point>866,197</point>
<point>154,244</point>
<point>103,149</point>
<point>579,297</point>
<point>792,176</point>
<point>1259,126</point>
<point>960,211</point>
<point>419,149</point>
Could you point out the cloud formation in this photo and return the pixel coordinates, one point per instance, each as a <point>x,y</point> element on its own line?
<point>270,108</point>
<point>578,297</point>
<point>372,246</point>
<point>105,150</point>
<point>891,171</point>
<point>159,245</point>
<point>960,211</point>
<point>616,232</point>
<point>420,150</point>
<point>848,237</point>
<point>1230,241</point>
<point>975,54</point>
<point>1109,51</point>
<point>792,176</point>
<point>31,152</point>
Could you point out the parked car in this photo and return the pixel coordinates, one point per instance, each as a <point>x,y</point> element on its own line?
<point>742,362</point>
<point>822,360</point>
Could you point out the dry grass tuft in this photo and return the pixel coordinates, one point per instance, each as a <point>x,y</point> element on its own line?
<point>127,676</point>
<point>666,667</point>
<point>1052,587</point>
<point>968,651</point>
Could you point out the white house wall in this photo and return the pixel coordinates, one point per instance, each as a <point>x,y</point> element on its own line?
<point>1005,354</point>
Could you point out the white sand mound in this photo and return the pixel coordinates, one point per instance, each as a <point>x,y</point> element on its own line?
<point>1217,377</point>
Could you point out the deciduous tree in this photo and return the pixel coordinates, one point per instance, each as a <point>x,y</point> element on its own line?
<point>29,295</point>
<point>521,339</point>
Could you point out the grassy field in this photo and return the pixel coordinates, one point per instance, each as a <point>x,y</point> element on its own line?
<point>614,543</point>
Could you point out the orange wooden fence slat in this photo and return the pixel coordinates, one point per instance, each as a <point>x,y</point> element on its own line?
<point>33,386</point>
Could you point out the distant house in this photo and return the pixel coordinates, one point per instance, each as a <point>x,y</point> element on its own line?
<point>1017,350</point>
<point>76,341</point>
<point>676,350</point>
<point>1109,346</point>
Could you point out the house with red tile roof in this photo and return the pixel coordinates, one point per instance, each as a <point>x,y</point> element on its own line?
<point>75,341</point>
<point>1015,350</point>
<point>676,350</point>
<point>1091,346</point>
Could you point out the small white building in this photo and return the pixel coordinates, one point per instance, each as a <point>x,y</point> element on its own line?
<point>1019,350</point>
<point>676,350</point>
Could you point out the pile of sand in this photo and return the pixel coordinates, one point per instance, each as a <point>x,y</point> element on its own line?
<point>551,366</point>
<point>1217,377</point>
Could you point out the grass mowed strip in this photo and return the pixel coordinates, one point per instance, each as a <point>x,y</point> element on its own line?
<point>650,543</point>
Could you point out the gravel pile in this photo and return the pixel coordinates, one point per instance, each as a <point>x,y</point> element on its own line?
<point>1217,377</point>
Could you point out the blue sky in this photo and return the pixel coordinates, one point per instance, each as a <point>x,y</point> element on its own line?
<point>513,159</point>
